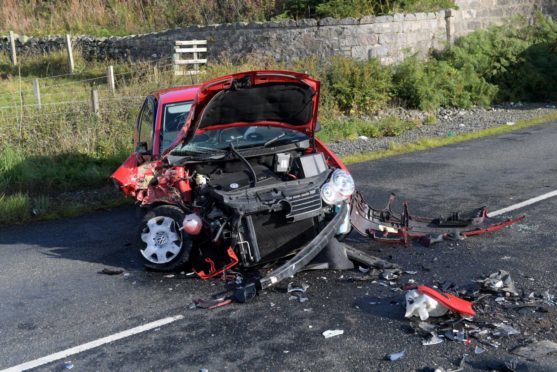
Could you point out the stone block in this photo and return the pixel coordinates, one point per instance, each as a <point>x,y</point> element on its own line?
<point>384,19</point>
<point>378,51</point>
<point>328,21</point>
<point>367,20</point>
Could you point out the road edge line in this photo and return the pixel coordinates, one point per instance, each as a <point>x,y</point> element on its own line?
<point>92,344</point>
<point>523,204</point>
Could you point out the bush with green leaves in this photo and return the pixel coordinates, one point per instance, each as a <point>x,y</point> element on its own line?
<point>520,59</point>
<point>358,86</point>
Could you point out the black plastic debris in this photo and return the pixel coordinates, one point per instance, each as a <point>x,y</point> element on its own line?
<point>109,271</point>
<point>395,356</point>
<point>244,293</point>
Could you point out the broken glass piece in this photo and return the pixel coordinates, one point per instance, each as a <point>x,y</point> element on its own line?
<point>428,327</point>
<point>505,330</point>
<point>390,274</point>
<point>478,350</point>
<point>332,333</point>
<point>395,356</point>
<point>433,340</point>
<point>549,298</point>
<point>294,288</point>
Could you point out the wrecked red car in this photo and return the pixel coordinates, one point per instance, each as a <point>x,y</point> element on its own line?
<point>231,174</point>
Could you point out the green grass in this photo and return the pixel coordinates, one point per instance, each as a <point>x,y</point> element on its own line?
<point>15,208</point>
<point>20,208</point>
<point>428,143</point>
<point>350,128</point>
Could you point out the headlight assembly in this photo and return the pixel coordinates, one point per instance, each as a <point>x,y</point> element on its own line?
<point>339,188</point>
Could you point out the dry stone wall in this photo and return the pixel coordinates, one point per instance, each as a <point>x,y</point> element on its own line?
<point>387,38</point>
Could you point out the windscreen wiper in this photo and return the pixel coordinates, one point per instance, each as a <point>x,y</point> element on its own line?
<point>272,140</point>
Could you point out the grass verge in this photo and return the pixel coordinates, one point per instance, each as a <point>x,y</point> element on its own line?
<point>432,142</point>
<point>21,208</point>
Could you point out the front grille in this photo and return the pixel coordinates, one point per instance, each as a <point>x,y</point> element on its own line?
<point>304,205</point>
<point>275,237</point>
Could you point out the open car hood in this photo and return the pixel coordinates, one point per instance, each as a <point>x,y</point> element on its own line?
<point>278,98</point>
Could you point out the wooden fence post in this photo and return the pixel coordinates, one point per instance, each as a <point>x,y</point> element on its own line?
<point>12,48</point>
<point>37,92</point>
<point>156,73</point>
<point>110,79</point>
<point>95,103</point>
<point>70,53</point>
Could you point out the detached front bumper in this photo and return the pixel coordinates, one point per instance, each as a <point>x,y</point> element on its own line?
<point>307,253</point>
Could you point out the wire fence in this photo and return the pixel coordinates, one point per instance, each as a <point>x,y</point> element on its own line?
<point>59,96</point>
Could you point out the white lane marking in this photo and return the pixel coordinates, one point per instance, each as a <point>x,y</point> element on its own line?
<point>523,204</point>
<point>93,344</point>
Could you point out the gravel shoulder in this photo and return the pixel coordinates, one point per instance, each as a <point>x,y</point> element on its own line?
<point>450,122</point>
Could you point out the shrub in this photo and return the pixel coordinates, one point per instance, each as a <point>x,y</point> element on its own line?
<point>358,86</point>
<point>433,84</point>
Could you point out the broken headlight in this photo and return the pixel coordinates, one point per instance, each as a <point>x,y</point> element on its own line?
<point>339,188</point>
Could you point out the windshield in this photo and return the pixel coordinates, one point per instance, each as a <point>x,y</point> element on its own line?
<point>175,115</point>
<point>243,137</point>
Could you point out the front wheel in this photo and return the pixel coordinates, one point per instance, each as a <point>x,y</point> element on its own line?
<point>162,245</point>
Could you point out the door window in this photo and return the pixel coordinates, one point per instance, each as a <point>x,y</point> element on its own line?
<point>146,124</point>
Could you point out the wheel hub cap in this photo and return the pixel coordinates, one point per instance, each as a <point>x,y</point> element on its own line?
<point>163,241</point>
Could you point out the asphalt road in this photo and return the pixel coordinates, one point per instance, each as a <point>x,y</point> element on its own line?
<point>52,297</point>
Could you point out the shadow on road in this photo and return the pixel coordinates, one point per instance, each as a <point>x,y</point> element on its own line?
<point>103,237</point>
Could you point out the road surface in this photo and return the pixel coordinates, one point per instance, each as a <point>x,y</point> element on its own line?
<point>53,297</point>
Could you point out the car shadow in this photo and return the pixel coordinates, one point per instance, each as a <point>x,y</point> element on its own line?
<point>103,237</point>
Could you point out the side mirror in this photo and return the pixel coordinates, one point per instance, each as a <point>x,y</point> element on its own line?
<point>143,149</point>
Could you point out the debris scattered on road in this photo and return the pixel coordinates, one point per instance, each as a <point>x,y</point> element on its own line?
<point>109,271</point>
<point>68,365</point>
<point>503,330</point>
<point>478,350</point>
<point>298,292</point>
<point>332,333</point>
<point>418,304</point>
<point>297,288</point>
<point>169,276</point>
<point>536,350</point>
<point>424,302</point>
<point>500,281</point>
<point>244,293</point>
<point>395,356</point>
<point>434,340</point>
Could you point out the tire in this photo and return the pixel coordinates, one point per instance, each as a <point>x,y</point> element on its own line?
<point>161,246</point>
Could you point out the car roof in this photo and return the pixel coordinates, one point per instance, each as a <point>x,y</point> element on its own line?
<point>176,94</point>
